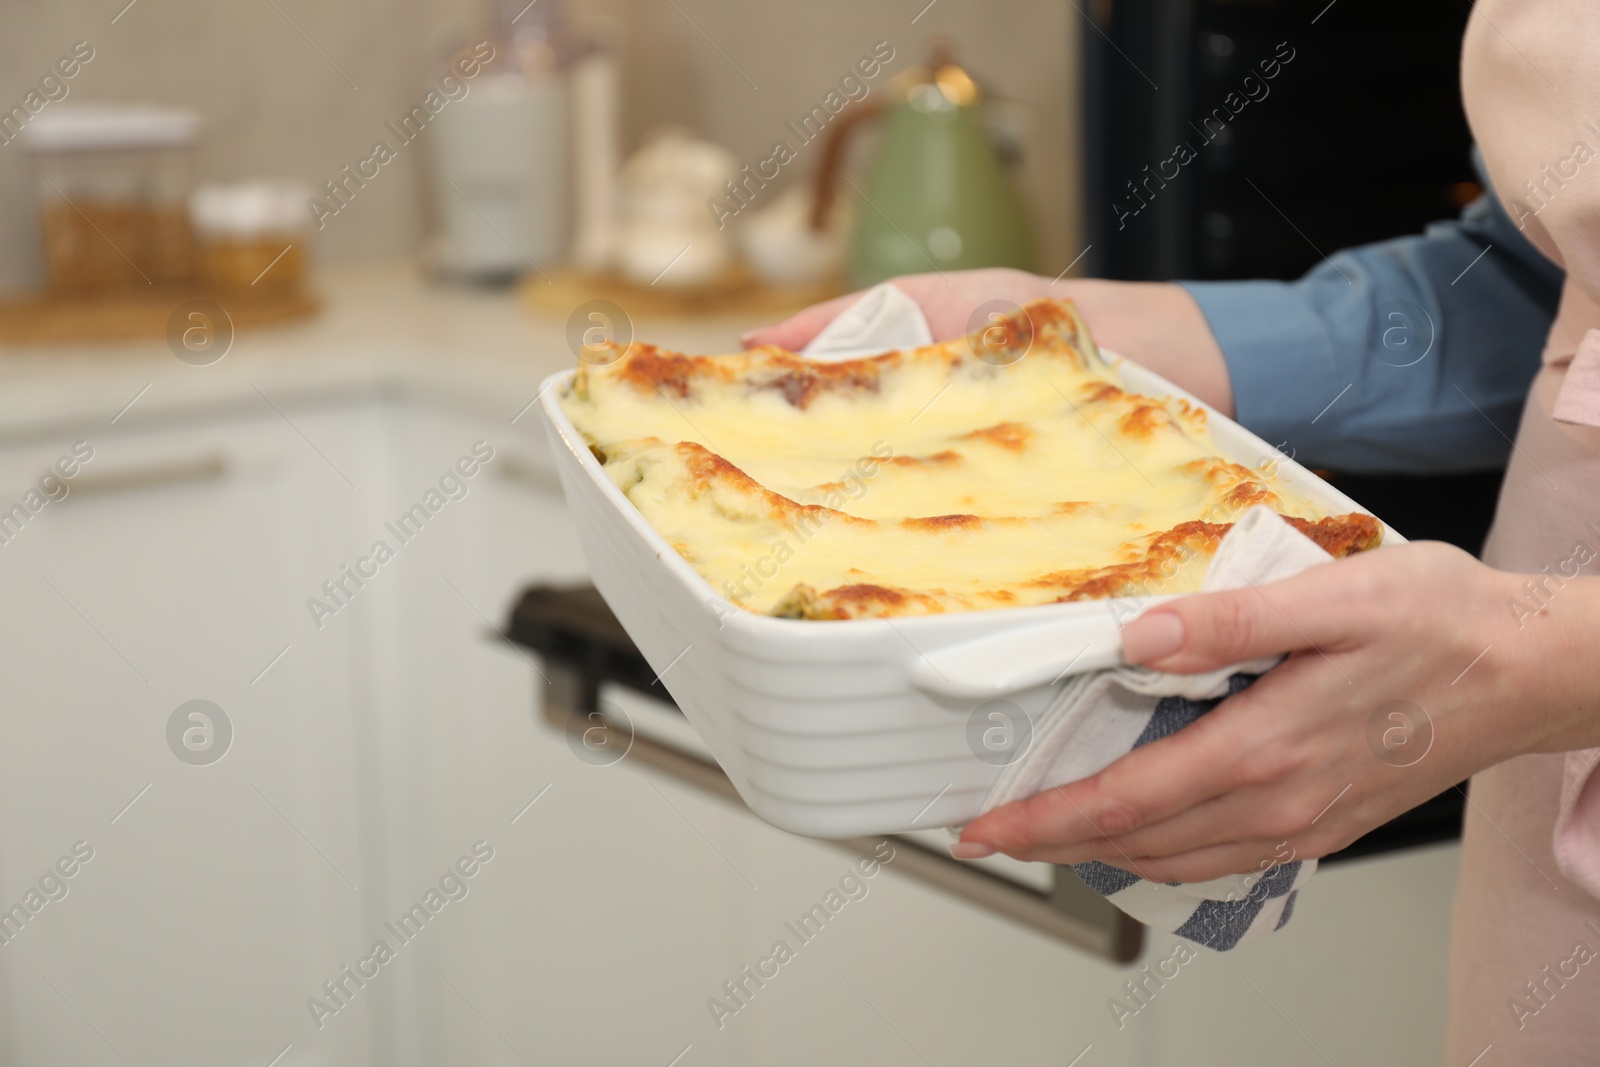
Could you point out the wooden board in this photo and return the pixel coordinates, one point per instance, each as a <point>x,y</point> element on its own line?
<point>133,314</point>
<point>560,290</point>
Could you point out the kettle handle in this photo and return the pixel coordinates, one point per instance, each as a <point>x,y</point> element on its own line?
<point>825,183</point>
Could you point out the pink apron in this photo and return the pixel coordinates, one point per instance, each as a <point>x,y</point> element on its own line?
<point>1525,946</point>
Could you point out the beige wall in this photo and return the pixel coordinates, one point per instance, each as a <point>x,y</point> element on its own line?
<point>274,106</point>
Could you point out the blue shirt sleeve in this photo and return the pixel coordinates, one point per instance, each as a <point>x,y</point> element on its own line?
<point>1408,356</point>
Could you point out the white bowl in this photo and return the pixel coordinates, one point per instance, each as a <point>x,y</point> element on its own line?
<point>860,726</point>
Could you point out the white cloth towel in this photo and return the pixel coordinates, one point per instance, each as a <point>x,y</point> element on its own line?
<point>1100,716</point>
<point>883,318</point>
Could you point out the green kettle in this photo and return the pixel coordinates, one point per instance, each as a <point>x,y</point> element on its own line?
<point>937,196</point>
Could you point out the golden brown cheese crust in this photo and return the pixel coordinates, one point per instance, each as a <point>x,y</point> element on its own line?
<point>800,380</point>
<point>708,470</point>
<point>1339,536</point>
<point>1014,471</point>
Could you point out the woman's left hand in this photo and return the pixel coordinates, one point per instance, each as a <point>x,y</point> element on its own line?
<point>1406,674</point>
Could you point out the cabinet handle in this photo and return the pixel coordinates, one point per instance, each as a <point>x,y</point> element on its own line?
<point>150,475</point>
<point>524,472</point>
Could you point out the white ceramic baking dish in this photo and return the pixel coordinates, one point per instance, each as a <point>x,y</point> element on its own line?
<point>844,728</point>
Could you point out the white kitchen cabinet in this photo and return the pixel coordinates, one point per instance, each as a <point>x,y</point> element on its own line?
<point>449,714</point>
<point>601,896</point>
<point>170,572</point>
<point>373,752</point>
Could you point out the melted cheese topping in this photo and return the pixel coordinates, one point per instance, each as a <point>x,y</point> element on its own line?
<point>925,480</point>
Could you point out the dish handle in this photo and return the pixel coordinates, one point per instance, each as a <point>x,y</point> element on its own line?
<point>1013,660</point>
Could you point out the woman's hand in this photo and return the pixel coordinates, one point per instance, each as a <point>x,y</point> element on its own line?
<point>1153,323</point>
<point>1407,673</point>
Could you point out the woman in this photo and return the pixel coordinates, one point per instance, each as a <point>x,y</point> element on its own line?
<point>1499,655</point>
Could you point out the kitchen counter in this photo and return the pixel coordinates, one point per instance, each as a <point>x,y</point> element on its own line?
<point>383,329</point>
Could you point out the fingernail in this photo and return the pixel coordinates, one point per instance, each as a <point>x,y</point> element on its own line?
<point>748,338</point>
<point>970,850</point>
<point>1152,637</point>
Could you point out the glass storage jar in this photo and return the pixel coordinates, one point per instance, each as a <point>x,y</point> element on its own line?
<point>252,235</point>
<point>113,182</point>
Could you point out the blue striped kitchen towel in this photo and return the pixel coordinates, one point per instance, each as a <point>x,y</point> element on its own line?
<point>1101,715</point>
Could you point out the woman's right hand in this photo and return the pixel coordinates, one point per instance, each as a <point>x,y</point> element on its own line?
<point>1156,324</point>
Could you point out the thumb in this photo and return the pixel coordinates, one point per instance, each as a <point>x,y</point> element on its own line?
<point>795,332</point>
<point>1214,630</point>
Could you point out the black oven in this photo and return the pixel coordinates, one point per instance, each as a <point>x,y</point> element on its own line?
<point>1307,126</point>
<point>1312,125</point>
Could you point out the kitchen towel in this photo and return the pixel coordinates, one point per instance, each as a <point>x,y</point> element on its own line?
<point>1102,715</point>
<point>883,318</point>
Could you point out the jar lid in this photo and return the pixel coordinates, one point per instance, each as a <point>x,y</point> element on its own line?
<point>101,127</point>
<point>250,209</point>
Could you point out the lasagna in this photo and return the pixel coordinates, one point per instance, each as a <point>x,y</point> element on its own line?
<point>1008,468</point>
